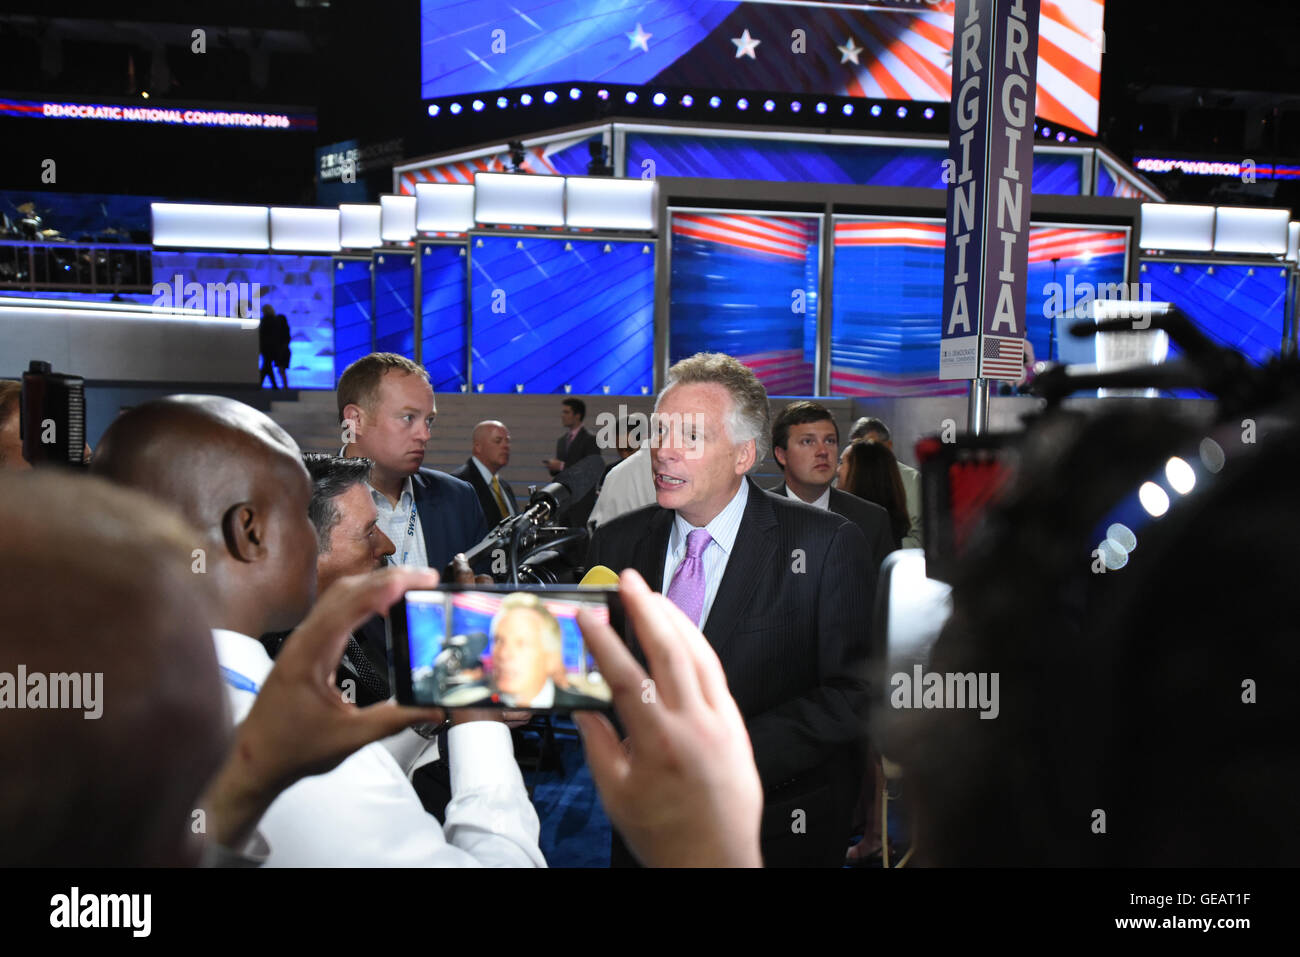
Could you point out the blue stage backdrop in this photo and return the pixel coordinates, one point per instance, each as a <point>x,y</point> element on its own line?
<point>297,286</point>
<point>888,298</point>
<point>747,285</point>
<point>394,305</point>
<point>351,313</point>
<point>1239,306</point>
<point>798,161</point>
<point>554,311</point>
<point>444,300</point>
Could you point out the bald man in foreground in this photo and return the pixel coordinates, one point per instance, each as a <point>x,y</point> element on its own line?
<point>237,477</point>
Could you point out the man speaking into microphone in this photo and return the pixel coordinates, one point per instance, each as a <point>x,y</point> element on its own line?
<point>777,589</point>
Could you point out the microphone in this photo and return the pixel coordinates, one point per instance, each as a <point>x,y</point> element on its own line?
<point>571,485</point>
<point>598,575</point>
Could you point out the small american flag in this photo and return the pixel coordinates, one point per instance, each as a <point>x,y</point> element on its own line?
<point>1002,358</point>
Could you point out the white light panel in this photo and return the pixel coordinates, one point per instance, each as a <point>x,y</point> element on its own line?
<point>601,202</point>
<point>359,226</point>
<point>444,207</point>
<point>396,219</point>
<point>1249,229</point>
<point>519,199</point>
<point>1174,226</point>
<point>305,230</point>
<point>208,226</point>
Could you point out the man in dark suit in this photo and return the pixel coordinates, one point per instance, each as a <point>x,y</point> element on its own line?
<point>806,444</point>
<point>778,591</point>
<point>489,454</point>
<point>387,409</point>
<point>570,448</point>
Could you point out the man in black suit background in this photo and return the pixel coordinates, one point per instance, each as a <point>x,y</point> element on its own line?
<point>489,454</point>
<point>806,444</point>
<point>778,591</point>
<point>570,448</point>
<point>387,410</point>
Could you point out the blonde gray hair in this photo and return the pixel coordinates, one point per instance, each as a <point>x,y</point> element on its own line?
<point>750,416</point>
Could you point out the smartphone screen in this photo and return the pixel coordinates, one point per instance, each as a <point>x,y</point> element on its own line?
<point>495,646</point>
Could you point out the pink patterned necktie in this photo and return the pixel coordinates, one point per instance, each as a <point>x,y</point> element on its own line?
<point>687,589</point>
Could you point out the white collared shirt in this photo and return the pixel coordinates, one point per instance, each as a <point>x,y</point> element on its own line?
<point>401,523</point>
<point>544,699</point>
<point>823,501</point>
<point>365,813</point>
<point>723,530</point>
<point>487,480</point>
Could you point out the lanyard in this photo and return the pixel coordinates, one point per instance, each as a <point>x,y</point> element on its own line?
<point>238,681</point>
<point>410,533</point>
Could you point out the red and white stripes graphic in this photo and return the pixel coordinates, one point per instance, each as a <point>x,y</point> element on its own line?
<point>785,238</point>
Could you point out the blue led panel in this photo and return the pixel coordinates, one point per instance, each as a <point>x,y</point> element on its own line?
<point>747,285</point>
<point>1239,306</point>
<point>298,287</point>
<point>550,312</point>
<point>351,312</point>
<point>444,302</point>
<point>394,302</point>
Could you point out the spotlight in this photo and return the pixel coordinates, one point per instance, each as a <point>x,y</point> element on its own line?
<point>1060,137</point>
<point>526,99</point>
<point>1154,499</point>
<point>795,106</point>
<point>478,106</point>
<point>821,107</point>
<point>742,104</point>
<point>688,100</point>
<point>848,109</point>
<point>902,112</point>
<point>575,93</point>
<point>455,109</point>
<point>145,94</point>
<point>876,110</point>
<point>550,96</point>
<point>715,101</point>
<point>929,113</point>
<point>630,97</point>
<point>434,109</point>
<point>1074,139</point>
<point>769,105</point>
<point>502,102</point>
<point>602,94</point>
<point>1047,131</point>
<point>659,99</point>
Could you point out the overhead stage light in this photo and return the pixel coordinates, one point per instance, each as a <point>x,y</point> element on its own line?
<point>742,104</point>
<point>631,96</point>
<point>455,109</point>
<point>434,109</point>
<point>550,96</point>
<point>659,99</point>
<point>715,101</point>
<point>478,106</point>
<point>526,99</point>
<point>575,93</point>
<point>769,105</point>
<point>688,100</point>
<point>502,102</point>
<point>876,110</point>
<point>795,106</point>
<point>848,109</point>
<point>821,107</point>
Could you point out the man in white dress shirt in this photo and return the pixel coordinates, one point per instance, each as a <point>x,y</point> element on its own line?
<point>237,476</point>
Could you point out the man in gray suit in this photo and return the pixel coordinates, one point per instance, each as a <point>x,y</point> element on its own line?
<point>806,444</point>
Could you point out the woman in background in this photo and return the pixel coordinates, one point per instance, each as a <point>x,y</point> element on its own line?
<point>870,471</point>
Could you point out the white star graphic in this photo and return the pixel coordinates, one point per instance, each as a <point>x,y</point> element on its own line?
<point>638,38</point>
<point>745,45</point>
<point>849,52</point>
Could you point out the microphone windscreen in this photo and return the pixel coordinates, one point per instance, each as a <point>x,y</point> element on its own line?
<point>599,575</point>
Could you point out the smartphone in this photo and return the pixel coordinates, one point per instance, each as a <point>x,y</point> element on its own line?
<point>497,646</point>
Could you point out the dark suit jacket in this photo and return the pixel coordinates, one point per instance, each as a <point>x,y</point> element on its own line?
<point>469,473</point>
<point>450,516</point>
<point>584,444</point>
<point>790,624</point>
<point>868,516</point>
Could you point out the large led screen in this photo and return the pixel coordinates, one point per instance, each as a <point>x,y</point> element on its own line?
<point>297,287</point>
<point>888,297</point>
<point>394,303</point>
<point>1239,306</point>
<point>550,313</point>
<point>747,285</point>
<point>352,328</point>
<point>444,303</point>
<point>471,46</point>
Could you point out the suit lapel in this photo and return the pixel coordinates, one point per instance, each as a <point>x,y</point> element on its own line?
<point>747,567</point>
<point>651,551</point>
